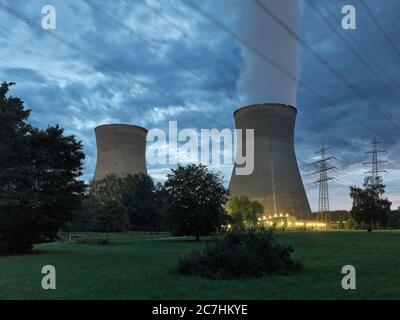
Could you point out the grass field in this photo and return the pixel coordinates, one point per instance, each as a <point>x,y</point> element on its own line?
<point>142,267</point>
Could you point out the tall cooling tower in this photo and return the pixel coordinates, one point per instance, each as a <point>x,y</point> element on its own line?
<point>120,150</point>
<point>275,182</point>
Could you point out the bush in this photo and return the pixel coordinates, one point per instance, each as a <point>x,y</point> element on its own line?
<point>241,254</point>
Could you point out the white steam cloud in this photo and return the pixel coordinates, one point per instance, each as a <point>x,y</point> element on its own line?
<point>259,81</point>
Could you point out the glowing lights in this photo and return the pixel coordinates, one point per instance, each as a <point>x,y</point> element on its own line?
<point>283,221</point>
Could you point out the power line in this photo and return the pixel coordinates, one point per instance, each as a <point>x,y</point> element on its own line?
<point>37,46</point>
<point>266,10</point>
<point>152,46</point>
<point>259,53</point>
<point>349,46</point>
<point>148,43</point>
<point>376,63</point>
<point>72,45</point>
<point>381,28</point>
<point>186,35</point>
<point>388,16</point>
<point>269,61</point>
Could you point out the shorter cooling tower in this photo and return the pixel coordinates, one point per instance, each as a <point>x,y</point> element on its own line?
<point>275,182</point>
<point>121,150</point>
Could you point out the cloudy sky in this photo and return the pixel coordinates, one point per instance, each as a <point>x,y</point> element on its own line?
<point>149,62</point>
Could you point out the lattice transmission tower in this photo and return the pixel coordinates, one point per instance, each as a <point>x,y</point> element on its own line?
<point>375,161</point>
<point>324,168</point>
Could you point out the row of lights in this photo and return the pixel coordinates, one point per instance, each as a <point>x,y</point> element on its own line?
<point>281,215</point>
<point>298,224</point>
<point>310,224</point>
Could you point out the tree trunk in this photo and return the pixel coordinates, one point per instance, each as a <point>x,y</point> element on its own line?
<point>369,228</point>
<point>197,238</point>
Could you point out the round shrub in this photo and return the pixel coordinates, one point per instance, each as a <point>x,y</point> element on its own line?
<point>240,254</point>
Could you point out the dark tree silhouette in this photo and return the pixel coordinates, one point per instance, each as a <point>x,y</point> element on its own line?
<point>369,206</point>
<point>195,200</point>
<point>39,171</point>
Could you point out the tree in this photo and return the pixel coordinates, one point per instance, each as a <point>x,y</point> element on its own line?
<point>247,209</point>
<point>110,216</point>
<point>254,210</point>
<point>137,194</point>
<point>39,170</point>
<point>394,219</point>
<point>369,206</point>
<point>195,199</point>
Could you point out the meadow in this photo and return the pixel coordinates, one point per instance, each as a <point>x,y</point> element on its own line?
<point>142,266</point>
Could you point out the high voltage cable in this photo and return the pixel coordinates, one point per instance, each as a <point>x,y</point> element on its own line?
<point>152,46</point>
<point>381,28</point>
<point>376,63</point>
<point>72,45</point>
<point>349,46</point>
<point>267,11</point>
<point>37,46</point>
<point>188,36</point>
<point>259,53</point>
<point>388,16</point>
<point>148,43</point>
<point>33,81</point>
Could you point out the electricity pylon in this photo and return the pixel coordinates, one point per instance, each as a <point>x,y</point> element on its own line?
<point>375,161</point>
<point>324,178</point>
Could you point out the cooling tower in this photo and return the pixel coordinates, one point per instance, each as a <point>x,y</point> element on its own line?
<point>275,182</point>
<point>120,150</point>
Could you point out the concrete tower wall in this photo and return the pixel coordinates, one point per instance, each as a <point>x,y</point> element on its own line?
<point>275,182</point>
<point>120,150</point>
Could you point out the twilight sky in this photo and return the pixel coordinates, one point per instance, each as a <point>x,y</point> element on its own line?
<point>149,62</point>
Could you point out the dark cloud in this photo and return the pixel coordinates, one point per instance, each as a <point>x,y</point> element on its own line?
<point>189,71</point>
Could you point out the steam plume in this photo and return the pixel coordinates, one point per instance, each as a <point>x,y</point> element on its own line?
<point>267,36</point>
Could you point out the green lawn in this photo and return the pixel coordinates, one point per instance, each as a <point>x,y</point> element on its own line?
<point>141,267</point>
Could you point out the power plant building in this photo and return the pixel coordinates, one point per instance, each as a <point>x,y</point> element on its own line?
<point>121,150</point>
<point>275,181</point>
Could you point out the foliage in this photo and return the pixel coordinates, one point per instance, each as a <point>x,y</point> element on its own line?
<point>240,254</point>
<point>136,198</point>
<point>110,216</point>
<point>236,220</point>
<point>195,199</point>
<point>351,224</point>
<point>39,170</point>
<point>394,219</point>
<point>241,208</point>
<point>340,215</point>
<point>369,206</point>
